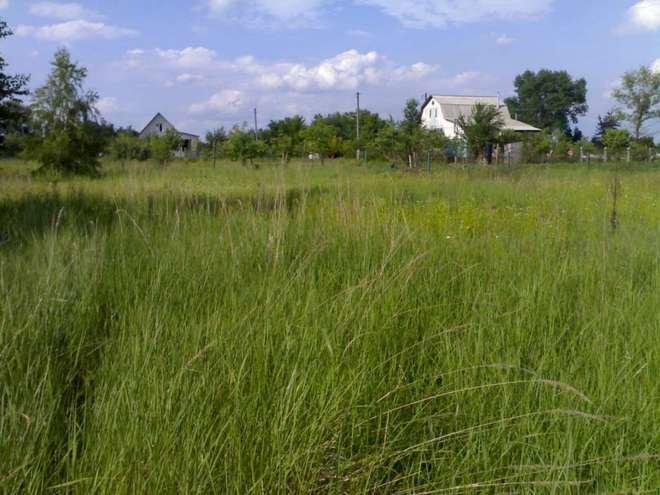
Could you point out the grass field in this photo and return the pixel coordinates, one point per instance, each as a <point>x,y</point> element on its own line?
<point>330,329</point>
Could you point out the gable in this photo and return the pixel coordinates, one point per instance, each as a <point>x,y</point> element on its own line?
<point>158,126</point>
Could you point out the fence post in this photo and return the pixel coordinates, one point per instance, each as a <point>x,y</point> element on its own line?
<point>628,155</point>
<point>605,154</point>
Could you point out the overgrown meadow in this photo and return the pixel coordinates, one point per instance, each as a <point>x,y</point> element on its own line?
<point>330,329</point>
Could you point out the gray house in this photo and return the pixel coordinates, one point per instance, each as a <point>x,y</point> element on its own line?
<point>159,125</point>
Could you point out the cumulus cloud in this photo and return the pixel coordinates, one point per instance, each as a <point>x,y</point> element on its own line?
<point>348,70</point>
<point>440,13</point>
<point>76,30</point>
<point>227,101</point>
<point>61,11</point>
<point>643,16</point>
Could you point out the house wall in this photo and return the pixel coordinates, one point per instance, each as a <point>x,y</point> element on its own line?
<point>432,118</point>
<point>158,127</point>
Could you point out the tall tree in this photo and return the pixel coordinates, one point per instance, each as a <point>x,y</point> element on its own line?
<point>549,99</point>
<point>67,120</point>
<point>12,87</point>
<point>411,116</point>
<point>639,93</point>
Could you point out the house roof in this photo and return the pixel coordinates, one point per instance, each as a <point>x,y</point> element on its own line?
<point>183,134</point>
<point>455,106</point>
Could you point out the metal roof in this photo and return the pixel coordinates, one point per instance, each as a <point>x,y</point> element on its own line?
<point>453,107</point>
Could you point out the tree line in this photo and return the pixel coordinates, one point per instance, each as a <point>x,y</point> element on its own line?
<point>59,126</point>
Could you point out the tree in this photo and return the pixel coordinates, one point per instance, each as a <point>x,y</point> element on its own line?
<point>163,147</point>
<point>320,138</point>
<point>11,88</point>
<point>285,136</point>
<point>215,139</point>
<point>549,99</point>
<point>481,129</point>
<point>617,141</point>
<point>387,143</point>
<point>66,120</point>
<point>639,93</point>
<point>612,120</point>
<point>411,116</point>
<point>241,145</point>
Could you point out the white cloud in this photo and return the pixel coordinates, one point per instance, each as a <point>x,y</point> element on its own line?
<point>187,78</point>
<point>61,11</point>
<point>75,31</point>
<point>348,70</point>
<point>107,105</point>
<point>290,13</point>
<point>190,57</point>
<point>643,16</point>
<point>440,13</point>
<point>4,4</point>
<point>504,40</point>
<point>227,101</point>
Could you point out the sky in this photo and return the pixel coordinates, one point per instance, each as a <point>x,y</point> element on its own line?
<point>209,63</point>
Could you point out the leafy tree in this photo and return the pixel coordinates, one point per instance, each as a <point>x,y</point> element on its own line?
<point>412,116</point>
<point>286,136</point>
<point>549,99</point>
<point>64,113</point>
<point>215,140</point>
<point>617,141</point>
<point>639,93</point>
<point>481,129</point>
<point>163,147</point>
<point>612,120</point>
<point>283,145</point>
<point>387,143</point>
<point>241,145</point>
<point>11,88</point>
<point>320,138</point>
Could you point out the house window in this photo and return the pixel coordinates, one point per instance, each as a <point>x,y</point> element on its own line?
<point>160,127</point>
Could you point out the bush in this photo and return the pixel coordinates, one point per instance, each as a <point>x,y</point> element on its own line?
<point>640,152</point>
<point>73,149</point>
<point>163,147</point>
<point>126,147</point>
<point>617,142</point>
<point>536,148</point>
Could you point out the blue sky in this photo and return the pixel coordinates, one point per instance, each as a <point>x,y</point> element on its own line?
<point>206,63</point>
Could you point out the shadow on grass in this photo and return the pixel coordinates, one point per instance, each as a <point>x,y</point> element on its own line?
<point>33,215</point>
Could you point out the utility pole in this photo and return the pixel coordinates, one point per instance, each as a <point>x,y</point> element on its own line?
<point>357,117</point>
<point>256,129</point>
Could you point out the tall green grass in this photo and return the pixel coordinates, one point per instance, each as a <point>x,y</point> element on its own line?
<point>330,330</point>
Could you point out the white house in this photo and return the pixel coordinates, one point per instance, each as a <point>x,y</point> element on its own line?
<point>159,125</point>
<point>442,112</point>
